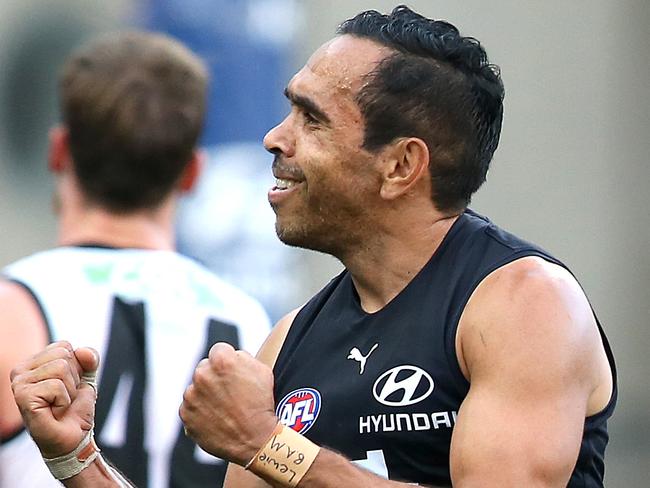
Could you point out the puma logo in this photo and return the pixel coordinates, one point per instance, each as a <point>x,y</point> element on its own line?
<point>360,358</point>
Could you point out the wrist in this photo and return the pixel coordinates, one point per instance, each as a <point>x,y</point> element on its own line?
<point>71,464</point>
<point>100,474</point>
<point>285,458</point>
<point>73,467</point>
<point>264,431</point>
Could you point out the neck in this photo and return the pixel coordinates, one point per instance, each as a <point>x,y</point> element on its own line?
<point>393,255</point>
<point>148,229</point>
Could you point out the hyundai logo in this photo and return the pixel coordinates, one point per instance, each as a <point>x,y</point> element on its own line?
<point>412,387</point>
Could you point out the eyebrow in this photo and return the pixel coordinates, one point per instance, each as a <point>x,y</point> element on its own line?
<point>306,104</point>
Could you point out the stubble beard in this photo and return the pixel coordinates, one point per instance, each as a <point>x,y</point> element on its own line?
<point>306,236</point>
<point>332,221</point>
<point>327,230</point>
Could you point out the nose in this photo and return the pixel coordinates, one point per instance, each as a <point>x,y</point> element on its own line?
<point>279,140</point>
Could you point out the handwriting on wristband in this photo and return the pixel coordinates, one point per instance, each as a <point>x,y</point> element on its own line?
<point>285,457</point>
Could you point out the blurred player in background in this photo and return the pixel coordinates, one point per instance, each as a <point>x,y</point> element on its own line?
<point>132,110</point>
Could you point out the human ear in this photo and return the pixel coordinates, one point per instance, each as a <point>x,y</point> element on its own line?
<point>192,171</point>
<point>407,162</point>
<point>58,152</point>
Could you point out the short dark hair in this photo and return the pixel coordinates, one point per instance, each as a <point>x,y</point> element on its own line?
<point>134,105</point>
<point>439,86</point>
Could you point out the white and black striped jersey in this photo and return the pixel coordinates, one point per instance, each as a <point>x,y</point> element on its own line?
<point>152,315</point>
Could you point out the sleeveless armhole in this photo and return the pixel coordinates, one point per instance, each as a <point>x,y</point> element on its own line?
<point>608,409</point>
<point>592,419</point>
<point>38,303</point>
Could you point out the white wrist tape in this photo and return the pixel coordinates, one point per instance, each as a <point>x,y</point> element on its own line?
<point>71,464</point>
<point>90,379</point>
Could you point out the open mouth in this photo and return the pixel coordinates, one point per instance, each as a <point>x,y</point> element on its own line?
<point>283,189</point>
<point>284,184</point>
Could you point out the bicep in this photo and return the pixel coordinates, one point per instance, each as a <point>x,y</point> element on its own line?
<point>525,339</point>
<point>516,437</point>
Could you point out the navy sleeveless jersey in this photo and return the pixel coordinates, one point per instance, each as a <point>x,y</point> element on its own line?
<point>384,388</point>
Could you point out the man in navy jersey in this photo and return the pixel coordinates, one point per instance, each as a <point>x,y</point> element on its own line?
<point>447,352</point>
<point>132,110</point>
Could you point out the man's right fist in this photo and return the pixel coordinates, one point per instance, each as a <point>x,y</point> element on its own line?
<point>58,408</point>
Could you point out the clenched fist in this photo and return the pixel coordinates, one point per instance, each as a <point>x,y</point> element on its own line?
<point>57,407</point>
<point>228,409</point>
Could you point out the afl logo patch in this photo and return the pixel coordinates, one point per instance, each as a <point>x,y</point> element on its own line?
<point>299,409</point>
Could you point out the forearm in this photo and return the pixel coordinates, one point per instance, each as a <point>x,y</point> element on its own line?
<point>290,460</point>
<point>328,470</point>
<point>331,470</point>
<point>99,474</point>
<point>238,477</point>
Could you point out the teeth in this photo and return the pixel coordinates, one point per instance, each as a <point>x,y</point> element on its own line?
<point>282,184</point>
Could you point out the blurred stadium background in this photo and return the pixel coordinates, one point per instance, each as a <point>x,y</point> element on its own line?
<point>571,173</point>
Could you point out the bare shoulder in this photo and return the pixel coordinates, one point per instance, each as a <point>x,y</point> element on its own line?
<point>269,351</point>
<point>19,310</point>
<point>532,314</point>
<point>22,334</point>
<point>535,297</point>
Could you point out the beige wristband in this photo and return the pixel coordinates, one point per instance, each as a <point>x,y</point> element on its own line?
<point>71,464</point>
<point>285,457</point>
